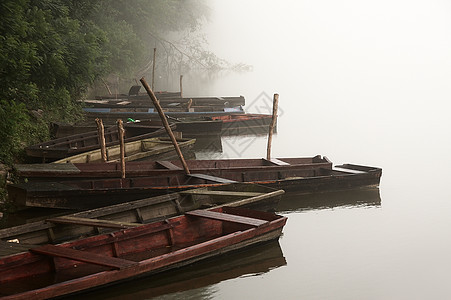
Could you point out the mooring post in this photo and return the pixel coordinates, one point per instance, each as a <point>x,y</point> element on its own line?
<point>165,123</point>
<point>273,123</point>
<point>120,132</point>
<point>101,135</point>
<point>181,86</point>
<point>153,66</point>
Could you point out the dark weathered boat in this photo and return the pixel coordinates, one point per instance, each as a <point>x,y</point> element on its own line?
<point>54,270</point>
<point>246,124</point>
<point>292,178</point>
<point>68,171</point>
<point>252,261</point>
<point>142,100</point>
<point>63,226</point>
<point>152,148</point>
<point>83,142</point>
<point>189,128</point>
<point>111,117</point>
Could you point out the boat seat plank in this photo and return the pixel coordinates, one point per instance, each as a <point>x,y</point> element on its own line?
<point>211,178</point>
<point>83,256</point>
<point>168,165</point>
<point>221,193</point>
<point>226,217</point>
<point>277,162</point>
<point>92,222</point>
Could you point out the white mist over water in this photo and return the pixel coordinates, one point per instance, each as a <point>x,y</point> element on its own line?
<point>360,82</point>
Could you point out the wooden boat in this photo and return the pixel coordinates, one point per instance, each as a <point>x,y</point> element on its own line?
<point>299,179</point>
<point>246,124</point>
<point>55,270</point>
<point>111,117</point>
<point>64,226</point>
<point>153,148</point>
<point>188,128</point>
<point>83,142</point>
<point>256,260</point>
<point>70,171</point>
<point>165,99</point>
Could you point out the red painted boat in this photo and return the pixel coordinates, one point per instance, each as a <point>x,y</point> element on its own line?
<point>246,124</point>
<point>55,270</point>
<point>77,194</point>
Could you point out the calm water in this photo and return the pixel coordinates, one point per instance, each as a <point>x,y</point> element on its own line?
<point>360,82</point>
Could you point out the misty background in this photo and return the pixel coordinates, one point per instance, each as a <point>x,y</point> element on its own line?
<point>360,82</point>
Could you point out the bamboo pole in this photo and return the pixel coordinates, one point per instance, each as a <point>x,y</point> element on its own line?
<point>181,86</point>
<point>120,132</point>
<point>153,66</point>
<point>101,135</point>
<point>165,124</point>
<point>273,123</point>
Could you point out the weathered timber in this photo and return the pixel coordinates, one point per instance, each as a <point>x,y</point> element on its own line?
<point>133,252</point>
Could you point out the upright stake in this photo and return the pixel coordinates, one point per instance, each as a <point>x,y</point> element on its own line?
<point>120,132</point>
<point>101,134</point>
<point>181,86</point>
<point>153,67</point>
<point>273,123</point>
<point>165,123</point>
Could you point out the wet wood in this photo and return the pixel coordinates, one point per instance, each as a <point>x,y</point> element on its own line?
<point>273,123</point>
<point>165,123</point>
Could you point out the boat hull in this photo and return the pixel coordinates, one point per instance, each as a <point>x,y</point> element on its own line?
<point>133,252</point>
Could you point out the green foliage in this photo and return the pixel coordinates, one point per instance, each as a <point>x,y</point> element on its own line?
<point>52,51</point>
<point>17,130</point>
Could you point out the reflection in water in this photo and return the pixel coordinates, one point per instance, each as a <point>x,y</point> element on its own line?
<point>194,281</point>
<point>210,143</point>
<point>351,198</point>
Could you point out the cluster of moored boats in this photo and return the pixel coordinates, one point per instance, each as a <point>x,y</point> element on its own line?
<point>145,211</point>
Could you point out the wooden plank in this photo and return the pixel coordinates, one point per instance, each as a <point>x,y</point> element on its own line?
<point>60,168</point>
<point>168,165</point>
<point>277,162</point>
<point>226,217</point>
<point>211,178</point>
<point>8,248</point>
<point>221,193</point>
<point>92,222</point>
<point>83,256</point>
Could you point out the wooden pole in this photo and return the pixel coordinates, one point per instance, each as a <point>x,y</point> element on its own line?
<point>101,135</point>
<point>153,66</point>
<point>181,86</point>
<point>165,123</point>
<point>120,132</point>
<point>273,123</point>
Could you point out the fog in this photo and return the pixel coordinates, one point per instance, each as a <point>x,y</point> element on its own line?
<point>361,82</point>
